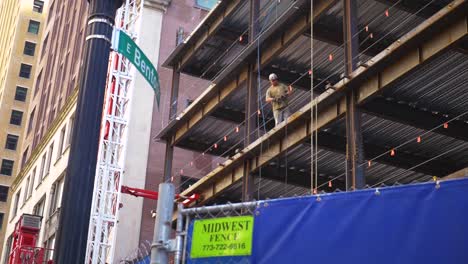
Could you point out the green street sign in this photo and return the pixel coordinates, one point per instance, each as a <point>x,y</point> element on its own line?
<point>228,236</point>
<point>123,44</point>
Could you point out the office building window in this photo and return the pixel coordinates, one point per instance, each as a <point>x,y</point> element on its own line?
<point>50,245</point>
<point>26,189</point>
<point>33,27</point>
<point>29,48</point>
<point>11,142</point>
<point>61,145</point>
<point>38,83</point>
<point>7,167</point>
<point>33,180</point>
<point>31,120</point>
<point>25,71</point>
<point>51,11</point>
<point>16,117</point>
<point>39,207</point>
<point>20,94</point>
<point>30,186</point>
<point>38,6</point>
<point>3,193</point>
<point>15,204</point>
<point>56,199</point>
<point>8,248</point>
<point>70,130</point>
<point>25,157</point>
<point>205,4</point>
<point>1,220</point>
<point>41,171</point>
<point>49,160</point>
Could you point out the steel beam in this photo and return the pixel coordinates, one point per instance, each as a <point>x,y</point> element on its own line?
<point>215,94</point>
<point>422,44</point>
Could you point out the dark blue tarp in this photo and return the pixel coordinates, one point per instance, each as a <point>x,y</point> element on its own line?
<point>406,225</point>
<point>145,260</point>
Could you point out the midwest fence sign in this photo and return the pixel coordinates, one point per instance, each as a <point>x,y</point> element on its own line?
<point>227,236</point>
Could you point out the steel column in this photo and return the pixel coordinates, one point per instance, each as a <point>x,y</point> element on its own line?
<point>168,162</point>
<point>74,218</point>
<point>354,151</point>
<point>251,104</point>
<point>174,93</point>
<point>172,114</point>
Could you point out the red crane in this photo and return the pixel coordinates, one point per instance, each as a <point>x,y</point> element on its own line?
<point>186,201</point>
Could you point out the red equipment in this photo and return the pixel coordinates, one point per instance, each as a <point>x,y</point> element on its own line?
<point>23,249</point>
<point>154,195</point>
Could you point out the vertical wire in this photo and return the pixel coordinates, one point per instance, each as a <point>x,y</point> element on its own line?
<point>312,97</point>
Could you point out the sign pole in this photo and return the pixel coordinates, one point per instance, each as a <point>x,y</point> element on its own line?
<point>72,233</point>
<point>162,229</point>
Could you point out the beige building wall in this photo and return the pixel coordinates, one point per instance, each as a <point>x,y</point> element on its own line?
<point>21,26</point>
<point>38,187</point>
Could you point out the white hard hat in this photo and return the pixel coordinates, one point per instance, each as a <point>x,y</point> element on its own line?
<point>272,77</point>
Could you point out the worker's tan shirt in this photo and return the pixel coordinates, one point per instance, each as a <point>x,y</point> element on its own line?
<point>280,95</point>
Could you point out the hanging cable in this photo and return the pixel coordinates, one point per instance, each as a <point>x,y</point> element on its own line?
<point>419,164</point>
<point>403,144</point>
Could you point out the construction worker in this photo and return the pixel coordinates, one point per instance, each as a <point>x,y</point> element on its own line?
<point>277,95</point>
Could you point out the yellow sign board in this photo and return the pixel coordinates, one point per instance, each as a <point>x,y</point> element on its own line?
<point>228,236</point>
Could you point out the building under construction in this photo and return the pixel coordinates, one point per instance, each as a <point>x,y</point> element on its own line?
<point>380,96</point>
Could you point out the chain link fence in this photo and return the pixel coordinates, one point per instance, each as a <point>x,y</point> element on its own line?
<point>140,255</point>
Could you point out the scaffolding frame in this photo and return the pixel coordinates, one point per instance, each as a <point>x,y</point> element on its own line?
<point>110,167</point>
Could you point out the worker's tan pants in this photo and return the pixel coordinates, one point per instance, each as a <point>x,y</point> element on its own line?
<point>280,115</point>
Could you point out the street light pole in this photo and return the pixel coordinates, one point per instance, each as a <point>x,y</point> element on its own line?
<point>70,245</point>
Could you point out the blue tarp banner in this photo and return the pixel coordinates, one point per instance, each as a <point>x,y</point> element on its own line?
<point>145,260</point>
<point>422,223</point>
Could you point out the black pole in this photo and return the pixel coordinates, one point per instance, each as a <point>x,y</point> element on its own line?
<point>70,245</point>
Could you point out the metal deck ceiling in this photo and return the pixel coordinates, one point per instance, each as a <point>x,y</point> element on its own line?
<point>224,45</point>
<point>438,87</point>
<point>222,49</point>
<point>388,135</point>
<point>448,94</point>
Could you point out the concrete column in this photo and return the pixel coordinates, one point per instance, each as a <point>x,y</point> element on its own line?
<point>139,131</point>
